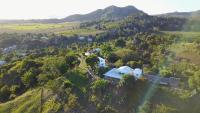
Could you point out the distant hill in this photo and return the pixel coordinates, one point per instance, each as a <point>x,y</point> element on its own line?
<point>109,13</point>
<point>193,14</point>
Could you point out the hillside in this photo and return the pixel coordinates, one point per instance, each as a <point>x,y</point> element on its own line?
<point>112,60</point>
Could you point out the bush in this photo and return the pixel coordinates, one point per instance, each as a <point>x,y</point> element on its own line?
<point>112,57</point>
<point>127,81</point>
<point>165,72</point>
<point>120,43</point>
<point>134,64</point>
<point>29,78</point>
<point>99,84</point>
<point>4,93</point>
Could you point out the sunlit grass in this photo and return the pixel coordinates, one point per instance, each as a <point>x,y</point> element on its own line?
<point>35,26</point>
<point>26,103</point>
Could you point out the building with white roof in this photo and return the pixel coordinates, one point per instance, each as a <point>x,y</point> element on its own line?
<point>102,62</point>
<point>118,73</point>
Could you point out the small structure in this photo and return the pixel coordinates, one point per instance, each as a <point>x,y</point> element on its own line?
<point>2,62</point>
<point>102,62</point>
<point>93,51</point>
<point>117,73</point>
<point>81,38</point>
<point>9,49</point>
<point>88,53</point>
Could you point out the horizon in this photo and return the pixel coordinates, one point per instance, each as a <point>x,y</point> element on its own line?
<point>44,9</point>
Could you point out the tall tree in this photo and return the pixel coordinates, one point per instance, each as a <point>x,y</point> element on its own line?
<point>72,61</point>
<point>194,81</point>
<point>92,61</point>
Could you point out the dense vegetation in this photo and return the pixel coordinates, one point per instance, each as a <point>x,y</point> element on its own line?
<point>55,76</point>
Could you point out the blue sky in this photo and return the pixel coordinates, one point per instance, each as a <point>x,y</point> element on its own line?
<point>39,9</point>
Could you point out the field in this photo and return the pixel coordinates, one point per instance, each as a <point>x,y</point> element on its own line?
<point>37,28</point>
<point>66,29</point>
<point>186,47</point>
<point>185,36</point>
<point>186,51</point>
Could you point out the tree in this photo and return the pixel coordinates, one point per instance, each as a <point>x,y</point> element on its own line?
<point>108,109</point>
<point>120,43</point>
<point>106,50</point>
<point>165,72</point>
<point>134,64</point>
<point>112,57</point>
<point>29,78</point>
<point>99,85</point>
<point>194,81</point>
<point>145,108</point>
<point>72,61</point>
<point>127,81</point>
<point>92,61</point>
<point>162,109</point>
<point>4,93</point>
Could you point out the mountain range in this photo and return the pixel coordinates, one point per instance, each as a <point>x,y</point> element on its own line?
<point>109,13</point>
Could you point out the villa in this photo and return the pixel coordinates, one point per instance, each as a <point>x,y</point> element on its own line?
<point>117,73</point>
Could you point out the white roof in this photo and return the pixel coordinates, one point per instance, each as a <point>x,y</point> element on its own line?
<point>118,73</point>
<point>137,72</point>
<point>125,70</point>
<point>113,73</point>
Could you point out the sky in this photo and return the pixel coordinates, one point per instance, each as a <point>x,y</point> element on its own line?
<point>43,9</point>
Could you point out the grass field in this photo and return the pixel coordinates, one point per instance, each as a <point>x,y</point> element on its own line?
<point>186,47</point>
<point>66,29</point>
<point>187,51</point>
<point>37,27</point>
<point>185,36</point>
<point>26,103</point>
